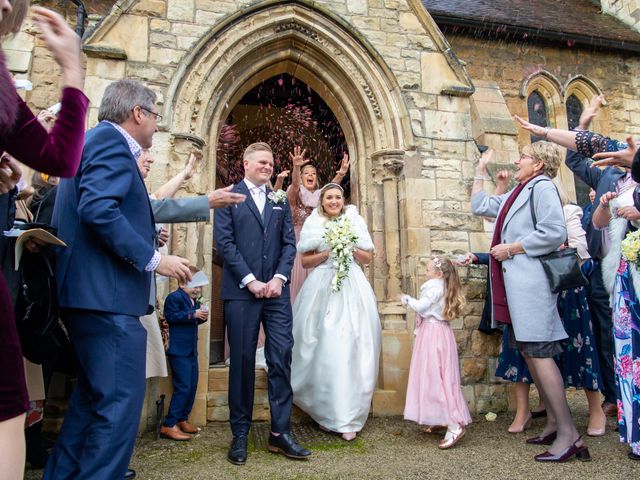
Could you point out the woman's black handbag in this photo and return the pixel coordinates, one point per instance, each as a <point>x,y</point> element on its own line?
<point>563,270</point>
<point>561,267</point>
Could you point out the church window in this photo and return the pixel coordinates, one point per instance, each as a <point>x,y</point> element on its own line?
<point>537,112</point>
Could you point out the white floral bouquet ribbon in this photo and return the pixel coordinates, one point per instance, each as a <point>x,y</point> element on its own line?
<point>341,239</point>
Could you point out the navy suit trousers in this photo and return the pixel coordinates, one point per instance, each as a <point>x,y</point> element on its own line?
<point>99,431</point>
<point>243,318</point>
<point>184,371</point>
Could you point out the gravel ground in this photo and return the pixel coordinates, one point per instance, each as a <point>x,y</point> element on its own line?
<point>388,448</point>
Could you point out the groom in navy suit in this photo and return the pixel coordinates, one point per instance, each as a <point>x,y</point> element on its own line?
<point>257,244</point>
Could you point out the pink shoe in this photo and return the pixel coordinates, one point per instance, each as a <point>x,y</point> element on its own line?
<point>348,436</point>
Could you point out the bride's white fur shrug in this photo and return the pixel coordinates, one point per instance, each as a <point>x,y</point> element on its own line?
<point>314,228</point>
<point>617,232</point>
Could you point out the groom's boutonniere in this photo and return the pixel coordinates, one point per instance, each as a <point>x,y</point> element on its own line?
<point>277,196</point>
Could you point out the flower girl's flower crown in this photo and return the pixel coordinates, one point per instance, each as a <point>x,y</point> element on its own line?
<point>437,262</point>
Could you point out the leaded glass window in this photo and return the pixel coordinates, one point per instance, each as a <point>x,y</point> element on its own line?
<point>537,112</point>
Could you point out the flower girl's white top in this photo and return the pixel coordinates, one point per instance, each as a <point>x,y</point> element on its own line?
<point>314,228</point>
<point>430,305</point>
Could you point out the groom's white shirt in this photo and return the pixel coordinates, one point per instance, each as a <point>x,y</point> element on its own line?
<point>259,195</point>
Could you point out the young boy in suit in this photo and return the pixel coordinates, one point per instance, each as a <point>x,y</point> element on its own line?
<point>183,313</point>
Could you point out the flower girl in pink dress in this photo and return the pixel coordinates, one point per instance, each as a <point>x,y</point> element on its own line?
<point>434,396</point>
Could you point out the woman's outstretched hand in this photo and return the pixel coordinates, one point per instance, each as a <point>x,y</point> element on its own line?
<point>590,111</point>
<point>297,157</point>
<point>502,181</point>
<point>63,43</point>
<point>606,198</point>
<point>621,158</point>
<point>469,258</point>
<point>537,130</point>
<point>189,168</point>
<point>485,158</point>
<point>344,165</point>
<point>10,174</point>
<point>280,180</point>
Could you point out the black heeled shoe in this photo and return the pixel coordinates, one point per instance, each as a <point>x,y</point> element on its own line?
<point>581,453</point>
<point>546,440</point>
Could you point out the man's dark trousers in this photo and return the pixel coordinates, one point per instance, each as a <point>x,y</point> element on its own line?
<point>104,410</point>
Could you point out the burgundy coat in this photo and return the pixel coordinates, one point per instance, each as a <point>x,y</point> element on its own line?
<point>57,153</point>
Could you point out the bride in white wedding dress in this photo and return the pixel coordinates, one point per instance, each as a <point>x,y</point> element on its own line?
<point>336,333</point>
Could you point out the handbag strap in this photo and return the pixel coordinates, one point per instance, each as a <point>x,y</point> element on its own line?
<point>533,211</point>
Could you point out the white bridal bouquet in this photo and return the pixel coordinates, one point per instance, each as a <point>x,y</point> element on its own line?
<point>341,239</point>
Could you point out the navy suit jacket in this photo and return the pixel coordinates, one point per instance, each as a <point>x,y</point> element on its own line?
<point>249,244</point>
<point>104,217</point>
<point>180,314</point>
<point>602,181</point>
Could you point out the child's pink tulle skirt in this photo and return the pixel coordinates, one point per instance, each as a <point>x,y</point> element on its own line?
<point>434,396</point>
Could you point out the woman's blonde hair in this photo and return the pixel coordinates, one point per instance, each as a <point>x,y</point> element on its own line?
<point>454,300</point>
<point>13,22</point>
<point>548,153</point>
<point>324,190</point>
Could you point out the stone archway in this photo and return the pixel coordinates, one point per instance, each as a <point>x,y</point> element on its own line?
<point>344,71</point>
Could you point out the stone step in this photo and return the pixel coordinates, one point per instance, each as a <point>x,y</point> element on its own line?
<point>219,379</point>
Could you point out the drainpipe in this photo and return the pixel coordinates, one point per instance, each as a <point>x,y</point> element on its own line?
<point>81,16</point>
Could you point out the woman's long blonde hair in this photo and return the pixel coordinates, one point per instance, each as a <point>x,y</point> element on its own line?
<point>454,300</point>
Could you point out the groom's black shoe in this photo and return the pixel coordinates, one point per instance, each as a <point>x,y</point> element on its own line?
<point>238,450</point>
<point>287,446</point>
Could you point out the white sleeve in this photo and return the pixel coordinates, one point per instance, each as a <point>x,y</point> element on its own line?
<point>576,235</point>
<point>423,304</point>
<point>311,235</point>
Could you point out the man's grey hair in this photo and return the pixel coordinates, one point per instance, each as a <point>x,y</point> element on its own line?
<point>121,97</point>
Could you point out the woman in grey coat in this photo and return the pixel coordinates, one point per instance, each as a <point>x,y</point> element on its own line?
<point>522,298</point>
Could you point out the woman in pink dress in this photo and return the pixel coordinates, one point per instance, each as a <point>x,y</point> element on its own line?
<point>434,396</point>
<point>304,195</point>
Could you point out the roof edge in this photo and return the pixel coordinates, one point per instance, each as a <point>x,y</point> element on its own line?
<point>504,29</point>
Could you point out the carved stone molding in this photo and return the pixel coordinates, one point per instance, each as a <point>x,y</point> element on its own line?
<point>338,56</point>
<point>199,142</point>
<point>391,162</point>
<point>283,27</point>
